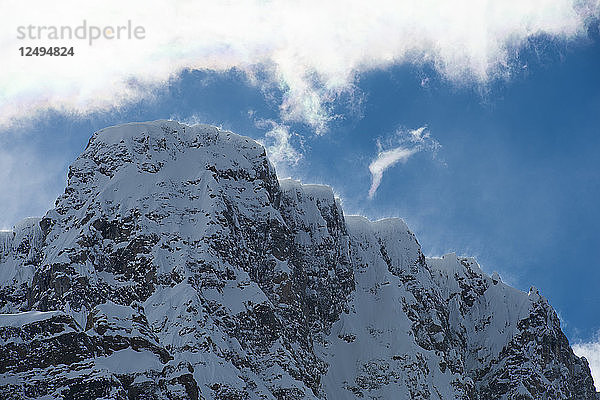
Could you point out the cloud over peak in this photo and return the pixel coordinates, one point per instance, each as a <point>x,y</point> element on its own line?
<point>278,144</point>
<point>591,351</point>
<point>312,50</point>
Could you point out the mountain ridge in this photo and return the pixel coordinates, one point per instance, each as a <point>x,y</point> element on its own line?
<point>176,265</point>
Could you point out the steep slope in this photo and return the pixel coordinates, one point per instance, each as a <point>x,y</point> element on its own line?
<point>177,266</point>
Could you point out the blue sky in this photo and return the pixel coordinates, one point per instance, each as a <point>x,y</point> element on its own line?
<point>508,172</point>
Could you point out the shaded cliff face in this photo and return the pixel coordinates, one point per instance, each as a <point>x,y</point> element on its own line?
<point>177,266</point>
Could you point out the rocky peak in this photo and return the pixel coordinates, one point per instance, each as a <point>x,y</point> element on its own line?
<point>176,265</point>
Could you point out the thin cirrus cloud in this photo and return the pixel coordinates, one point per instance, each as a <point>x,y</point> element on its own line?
<point>398,148</point>
<point>385,160</point>
<point>311,50</point>
<point>591,351</point>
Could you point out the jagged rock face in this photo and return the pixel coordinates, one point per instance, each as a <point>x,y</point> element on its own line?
<point>177,266</point>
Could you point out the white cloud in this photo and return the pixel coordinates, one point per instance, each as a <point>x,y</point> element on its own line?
<point>591,351</point>
<point>419,135</point>
<point>278,144</point>
<point>385,160</point>
<point>399,148</point>
<point>312,49</point>
<point>193,119</point>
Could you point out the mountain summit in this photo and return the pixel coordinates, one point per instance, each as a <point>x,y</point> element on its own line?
<point>177,266</point>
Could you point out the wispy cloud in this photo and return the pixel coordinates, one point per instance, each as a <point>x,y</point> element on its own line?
<point>277,143</point>
<point>385,160</point>
<point>591,351</point>
<point>312,50</point>
<point>398,148</point>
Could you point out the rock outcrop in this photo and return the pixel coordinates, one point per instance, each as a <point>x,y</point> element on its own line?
<point>177,266</point>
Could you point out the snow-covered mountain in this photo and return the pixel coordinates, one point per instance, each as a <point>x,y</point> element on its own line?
<point>177,266</point>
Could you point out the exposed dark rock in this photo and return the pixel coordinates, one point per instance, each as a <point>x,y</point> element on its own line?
<point>176,266</point>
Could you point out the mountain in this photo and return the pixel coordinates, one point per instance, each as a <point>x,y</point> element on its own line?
<point>177,266</point>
